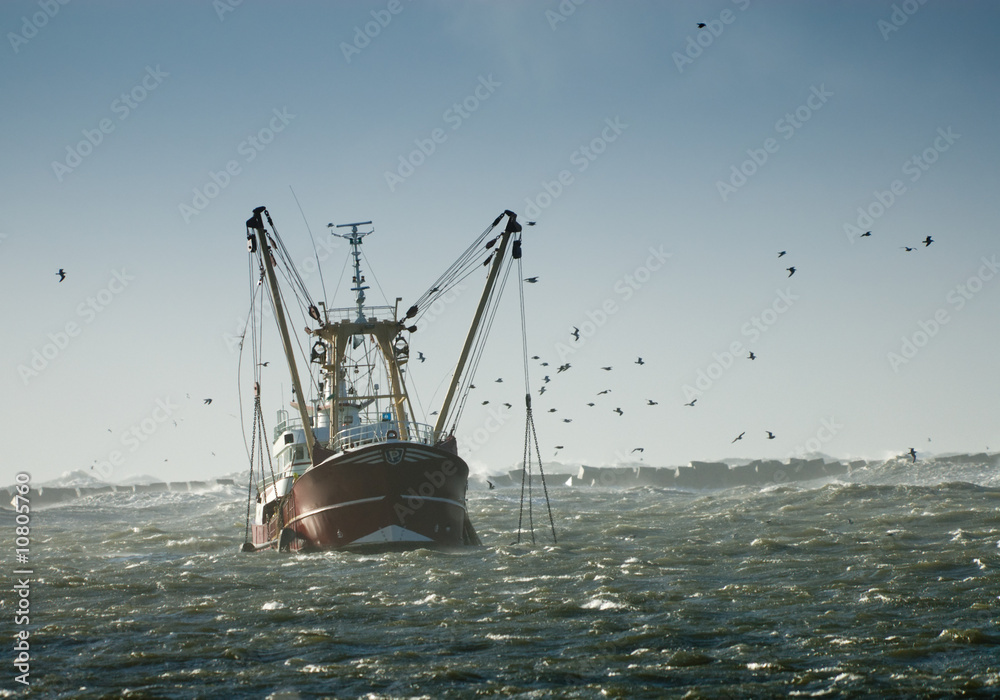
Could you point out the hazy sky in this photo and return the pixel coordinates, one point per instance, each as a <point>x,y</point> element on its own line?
<point>666,166</point>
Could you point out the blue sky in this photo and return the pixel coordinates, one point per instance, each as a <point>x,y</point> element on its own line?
<point>139,136</point>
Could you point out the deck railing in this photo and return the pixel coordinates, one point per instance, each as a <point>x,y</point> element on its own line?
<point>387,431</point>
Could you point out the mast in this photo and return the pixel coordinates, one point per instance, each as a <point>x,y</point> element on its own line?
<point>354,238</point>
<point>512,228</point>
<point>255,223</point>
<point>344,333</point>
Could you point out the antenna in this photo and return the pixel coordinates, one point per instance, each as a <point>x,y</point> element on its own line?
<point>354,238</point>
<point>354,227</point>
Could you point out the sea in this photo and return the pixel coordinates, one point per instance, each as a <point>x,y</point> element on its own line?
<point>884,583</point>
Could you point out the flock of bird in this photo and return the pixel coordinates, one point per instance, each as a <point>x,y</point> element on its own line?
<point>575,335</point>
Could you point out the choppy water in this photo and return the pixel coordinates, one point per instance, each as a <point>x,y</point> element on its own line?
<point>886,586</point>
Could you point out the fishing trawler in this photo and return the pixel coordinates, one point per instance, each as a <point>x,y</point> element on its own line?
<point>351,468</point>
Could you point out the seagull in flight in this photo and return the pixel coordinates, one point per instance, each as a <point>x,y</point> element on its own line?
<point>739,437</point>
<point>639,449</point>
<point>913,453</point>
<point>619,412</point>
<point>791,270</point>
<point>751,356</point>
<point>541,391</point>
<point>530,280</point>
<point>562,368</point>
<point>908,249</point>
<point>606,391</point>
<point>770,435</point>
<point>552,410</point>
<point>865,234</point>
<point>639,362</point>
<point>591,404</point>
<point>62,274</point>
<point>927,241</point>
<point>264,364</point>
<point>208,401</point>
<point>546,379</point>
<point>701,25</point>
<point>575,333</point>
<point>532,223</point>
<point>606,369</point>
<point>499,380</point>
<point>567,420</point>
<point>490,484</point>
<point>693,401</point>
<point>783,252</point>
<point>535,357</point>
<point>508,405</point>
<point>420,356</point>
<point>650,402</point>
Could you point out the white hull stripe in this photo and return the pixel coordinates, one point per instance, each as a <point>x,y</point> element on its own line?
<point>371,500</point>
<point>434,498</point>
<point>332,507</point>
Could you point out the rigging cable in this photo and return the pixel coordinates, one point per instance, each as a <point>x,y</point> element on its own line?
<point>371,271</point>
<point>529,426</point>
<point>463,266</point>
<point>239,391</point>
<point>313,241</point>
<point>479,346</point>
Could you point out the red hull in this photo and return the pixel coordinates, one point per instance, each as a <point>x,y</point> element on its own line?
<point>392,495</point>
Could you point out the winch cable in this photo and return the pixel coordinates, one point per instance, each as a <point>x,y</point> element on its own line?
<point>529,426</point>
<point>259,428</point>
<point>319,268</point>
<point>257,346</point>
<point>492,305</point>
<point>248,325</point>
<point>292,279</point>
<point>458,271</point>
<point>296,283</point>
